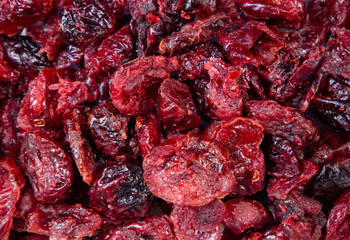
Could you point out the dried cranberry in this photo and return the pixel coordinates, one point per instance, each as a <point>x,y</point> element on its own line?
<point>85,21</point>
<point>175,106</point>
<point>225,94</point>
<point>114,50</point>
<point>187,170</point>
<point>110,130</point>
<point>11,184</point>
<point>192,60</point>
<point>242,137</point>
<point>81,150</point>
<point>338,219</point>
<point>149,132</point>
<point>47,166</point>
<point>134,86</point>
<point>24,54</point>
<point>39,105</point>
<point>68,56</point>
<point>48,35</point>
<point>16,15</point>
<point>119,193</point>
<point>283,121</point>
<point>245,214</point>
<point>197,32</point>
<point>205,222</point>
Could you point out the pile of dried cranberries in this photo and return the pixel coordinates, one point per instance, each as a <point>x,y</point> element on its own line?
<point>174,119</point>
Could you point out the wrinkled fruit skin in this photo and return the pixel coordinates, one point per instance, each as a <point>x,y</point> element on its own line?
<point>47,166</point>
<point>205,222</point>
<point>119,193</point>
<point>188,170</point>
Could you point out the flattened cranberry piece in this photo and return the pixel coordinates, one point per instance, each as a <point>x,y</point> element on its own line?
<point>192,61</point>
<point>242,137</point>
<point>283,121</point>
<point>39,105</point>
<point>187,170</point>
<point>329,13</point>
<point>334,176</point>
<point>225,94</point>
<point>175,106</point>
<point>24,54</point>
<point>109,130</point>
<point>119,192</point>
<point>71,94</point>
<point>295,205</point>
<point>85,21</point>
<point>280,187</point>
<point>81,150</point>
<point>47,166</point>
<point>286,14</point>
<point>197,32</point>
<point>338,224</point>
<point>68,56</point>
<point>134,86</point>
<point>292,228</point>
<point>48,35</point>
<point>16,15</point>
<point>152,228</point>
<point>205,222</point>
<point>282,157</point>
<point>10,144</point>
<point>63,221</point>
<point>12,182</point>
<point>114,50</point>
<point>149,132</point>
<point>245,214</point>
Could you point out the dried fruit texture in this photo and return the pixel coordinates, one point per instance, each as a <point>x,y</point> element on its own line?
<point>80,147</point>
<point>10,143</point>
<point>16,15</point>
<point>292,228</point>
<point>48,35</point>
<point>280,187</point>
<point>12,183</point>
<point>282,121</point>
<point>63,221</point>
<point>175,106</point>
<point>114,50</point>
<point>205,222</point>
<point>338,219</point>
<point>109,130</point>
<point>71,94</point>
<point>39,105</point>
<point>149,132</point>
<point>197,32</point>
<point>134,86</point>
<point>242,137</point>
<point>329,13</point>
<point>225,95</point>
<point>47,166</point>
<point>152,228</point>
<point>331,104</point>
<point>68,56</point>
<point>192,60</point>
<point>7,73</point>
<point>23,54</point>
<point>119,193</point>
<point>82,22</point>
<point>188,170</point>
<point>295,205</point>
<point>287,14</point>
<point>243,45</point>
<point>282,157</point>
<point>35,237</point>
<point>334,177</point>
<point>246,214</point>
